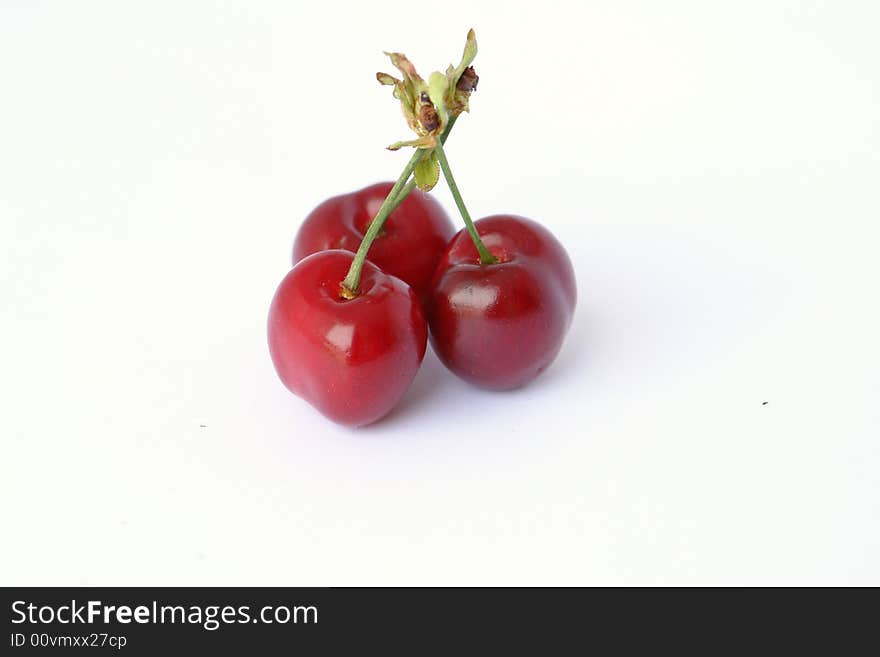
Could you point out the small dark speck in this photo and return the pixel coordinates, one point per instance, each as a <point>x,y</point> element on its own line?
<point>764,403</point>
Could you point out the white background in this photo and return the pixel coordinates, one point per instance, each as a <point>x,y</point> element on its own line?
<point>712,168</point>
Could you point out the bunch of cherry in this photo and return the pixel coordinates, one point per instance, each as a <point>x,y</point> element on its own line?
<point>348,334</point>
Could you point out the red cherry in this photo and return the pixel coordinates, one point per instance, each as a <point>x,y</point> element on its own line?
<point>409,246</point>
<point>500,325</point>
<point>352,359</point>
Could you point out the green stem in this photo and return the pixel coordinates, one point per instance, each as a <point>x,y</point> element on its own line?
<point>349,286</point>
<point>412,183</point>
<point>486,258</point>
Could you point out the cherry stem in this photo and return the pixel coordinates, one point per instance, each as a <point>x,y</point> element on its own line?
<point>412,183</point>
<point>348,289</point>
<point>486,258</point>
